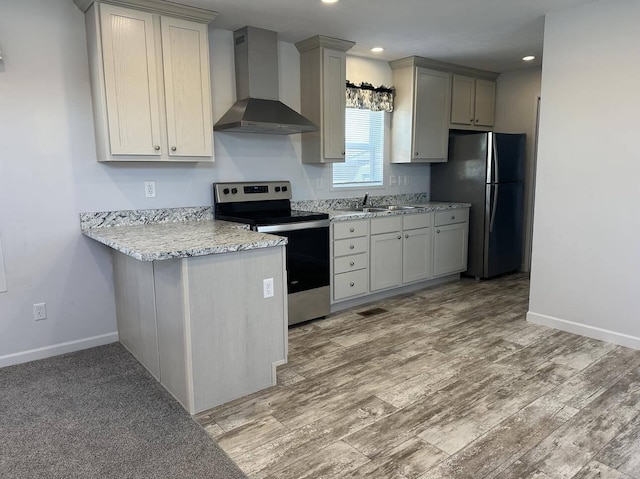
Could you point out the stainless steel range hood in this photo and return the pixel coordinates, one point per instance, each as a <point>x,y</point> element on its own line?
<point>258,109</point>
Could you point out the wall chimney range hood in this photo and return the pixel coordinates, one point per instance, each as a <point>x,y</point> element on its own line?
<point>258,109</point>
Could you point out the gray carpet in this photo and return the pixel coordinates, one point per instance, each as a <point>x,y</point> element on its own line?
<point>99,414</point>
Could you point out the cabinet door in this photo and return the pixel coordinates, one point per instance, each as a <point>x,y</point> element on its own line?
<point>431,115</point>
<point>334,103</point>
<point>130,81</point>
<point>187,90</point>
<point>416,255</point>
<point>462,100</point>
<point>485,102</point>
<point>450,249</point>
<point>386,261</point>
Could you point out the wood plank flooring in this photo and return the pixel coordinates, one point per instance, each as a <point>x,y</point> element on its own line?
<point>449,382</point>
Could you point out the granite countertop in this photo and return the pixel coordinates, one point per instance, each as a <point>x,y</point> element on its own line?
<point>149,235</point>
<point>339,215</point>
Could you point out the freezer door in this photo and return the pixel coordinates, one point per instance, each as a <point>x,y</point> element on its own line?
<point>508,157</point>
<point>503,229</point>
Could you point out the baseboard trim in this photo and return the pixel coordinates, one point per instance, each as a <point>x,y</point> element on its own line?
<point>57,349</point>
<point>274,372</point>
<point>585,330</point>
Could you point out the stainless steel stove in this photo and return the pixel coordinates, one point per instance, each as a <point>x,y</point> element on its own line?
<point>266,207</point>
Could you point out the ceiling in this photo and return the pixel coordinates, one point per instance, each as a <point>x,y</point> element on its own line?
<point>491,35</point>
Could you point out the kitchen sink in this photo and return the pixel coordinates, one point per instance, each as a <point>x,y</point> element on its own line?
<point>375,209</point>
<point>397,207</point>
<point>362,209</point>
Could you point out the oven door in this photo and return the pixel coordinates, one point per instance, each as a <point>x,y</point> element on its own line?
<point>307,253</point>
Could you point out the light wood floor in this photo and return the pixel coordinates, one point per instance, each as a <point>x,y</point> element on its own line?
<point>448,382</point>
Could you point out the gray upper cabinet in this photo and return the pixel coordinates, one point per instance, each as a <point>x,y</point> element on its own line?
<point>420,121</point>
<point>323,97</point>
<point>472,101</point>
<point>150,81</point>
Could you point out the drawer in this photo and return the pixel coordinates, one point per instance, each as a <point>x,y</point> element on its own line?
<point>450,217</point>
<point>350,263</point>
<point>350,229</point>
<point>413,222</point>
<point>389,224</point>
<point>346,285</point>
<point>345,247</point>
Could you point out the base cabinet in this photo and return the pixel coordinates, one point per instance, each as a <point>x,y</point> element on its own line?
<point>386,260</point>
<point>416,255</point>
<point>394,251</point>
<point>201,325</point>
<point>450,243</point>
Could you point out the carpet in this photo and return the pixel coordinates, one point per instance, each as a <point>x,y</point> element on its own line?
<point>99,414</point>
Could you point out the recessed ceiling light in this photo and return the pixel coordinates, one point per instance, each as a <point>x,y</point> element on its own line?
<point>329,1</point>
<point>377,49</point>
<point>528,58</point>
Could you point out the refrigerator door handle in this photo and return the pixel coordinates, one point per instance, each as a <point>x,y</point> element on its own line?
<point>495,187</point>
<point>496,173</point>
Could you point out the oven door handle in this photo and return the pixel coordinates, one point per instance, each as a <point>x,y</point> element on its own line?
<point>303,225</point>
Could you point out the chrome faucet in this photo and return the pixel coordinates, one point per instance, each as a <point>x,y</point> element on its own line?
<point>364,201</point>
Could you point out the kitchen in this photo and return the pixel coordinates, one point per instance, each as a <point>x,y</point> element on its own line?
<point>72,275</point>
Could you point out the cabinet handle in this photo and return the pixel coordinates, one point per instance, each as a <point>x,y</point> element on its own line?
<point>399,237</point>
<point>416,154</point>
<point>406,236</point>
<point>470,120</point>
<point>453,217</point>
<point>352,230</point>
<point>351,246</point>
<point>173,148</point>
<point>351,263</point>
<point>438,231</point>
<point>477,120</point>
<point>343,153</point>
<point>352,284</point>
<point>156,147</point>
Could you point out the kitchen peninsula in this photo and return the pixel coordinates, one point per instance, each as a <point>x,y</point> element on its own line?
<point>189,300</point>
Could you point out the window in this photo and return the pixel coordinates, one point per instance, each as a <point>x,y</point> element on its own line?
<point>364,150</point>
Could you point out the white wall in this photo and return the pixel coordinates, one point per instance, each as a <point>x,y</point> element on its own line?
<point>49,173</point>
<point>517,95</point>
<point>586,253</point>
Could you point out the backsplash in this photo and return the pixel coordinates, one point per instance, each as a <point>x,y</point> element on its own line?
<point>332,203</point>
<point>142,217</point>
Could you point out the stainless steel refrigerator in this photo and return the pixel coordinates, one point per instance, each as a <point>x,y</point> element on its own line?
<point>486,170</point>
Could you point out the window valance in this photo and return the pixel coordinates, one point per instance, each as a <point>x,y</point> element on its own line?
<point>367,97</point>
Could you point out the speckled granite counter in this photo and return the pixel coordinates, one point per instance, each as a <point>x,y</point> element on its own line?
<point>149,235</point>
<point>338,215</point>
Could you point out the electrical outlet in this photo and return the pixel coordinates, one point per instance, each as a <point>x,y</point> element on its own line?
<point>267,287</point>
<point>39,311</point>
<point>393,180</point>
<point>150,189</point>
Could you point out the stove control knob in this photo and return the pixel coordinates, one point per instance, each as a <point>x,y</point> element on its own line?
<point>284,188</point>
<point>234,190</point>
<point>226,191</point>
<point>277,188</point>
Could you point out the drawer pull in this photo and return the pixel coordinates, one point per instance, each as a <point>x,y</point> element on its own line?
<point>351,246</point>
<point>453,217</point>
<point>352,263</point>
<point>406,236</point>
<point>416,153</point>
<point>352,230</point>
<point>156,147</point>
<point>399,237</point>
<point>438,231</point>
<point>352,284</point>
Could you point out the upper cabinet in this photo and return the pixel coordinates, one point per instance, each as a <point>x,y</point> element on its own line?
<point>323,97</point>
<point>150,81</point>
<point>420,122</point>
<point>472,101</point>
